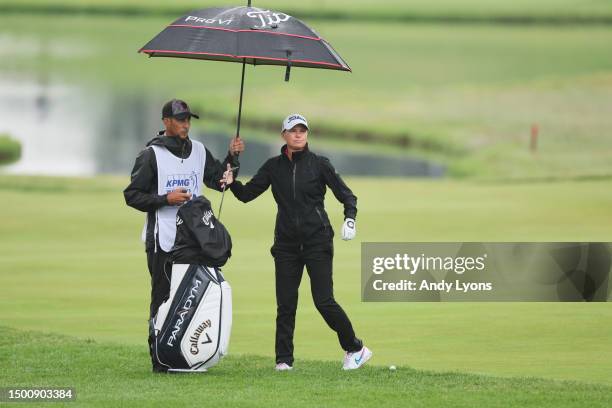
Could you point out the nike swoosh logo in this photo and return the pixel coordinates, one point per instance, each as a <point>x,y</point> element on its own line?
<point>358,360</point>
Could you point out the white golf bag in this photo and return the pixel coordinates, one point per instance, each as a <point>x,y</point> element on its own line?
<point>192,328</point>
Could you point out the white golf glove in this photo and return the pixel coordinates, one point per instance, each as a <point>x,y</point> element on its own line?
<point>349,229</point>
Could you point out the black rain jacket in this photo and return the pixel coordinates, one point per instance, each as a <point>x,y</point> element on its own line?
<point>299,187</point>
<point>141,193</point>
<point>200,237</point>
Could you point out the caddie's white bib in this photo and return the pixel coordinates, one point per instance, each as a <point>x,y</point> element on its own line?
<point>173,173</point>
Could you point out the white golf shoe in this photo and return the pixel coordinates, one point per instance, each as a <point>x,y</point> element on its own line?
<point>283,367</point>
<point>356,359</point>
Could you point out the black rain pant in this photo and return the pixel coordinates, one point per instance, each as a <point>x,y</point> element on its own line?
<point>161,271</point>
<point>289,264</point>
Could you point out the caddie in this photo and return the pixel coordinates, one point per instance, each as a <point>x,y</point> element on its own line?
<point>168,172</point>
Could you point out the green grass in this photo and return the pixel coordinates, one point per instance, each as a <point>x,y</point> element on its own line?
<point>466,96</point>
<point>71,262</point>
<point>106,374</point>
<point>545,10</point>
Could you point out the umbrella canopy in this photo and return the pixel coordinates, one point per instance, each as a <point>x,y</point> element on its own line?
<point>247,35</point>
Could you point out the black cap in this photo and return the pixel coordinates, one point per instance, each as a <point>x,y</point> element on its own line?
<point>177,109</point>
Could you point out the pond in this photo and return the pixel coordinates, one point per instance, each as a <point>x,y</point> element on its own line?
<point>69,130</point>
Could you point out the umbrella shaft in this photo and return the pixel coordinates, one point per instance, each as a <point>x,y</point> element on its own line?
<point>240,103</point>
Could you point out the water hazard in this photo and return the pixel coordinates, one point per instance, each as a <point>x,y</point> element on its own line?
<point>72,131</point>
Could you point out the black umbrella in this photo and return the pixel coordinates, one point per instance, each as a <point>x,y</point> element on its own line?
<point>248,35</point>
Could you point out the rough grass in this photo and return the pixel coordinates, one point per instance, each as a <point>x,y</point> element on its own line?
<point>107,374</point>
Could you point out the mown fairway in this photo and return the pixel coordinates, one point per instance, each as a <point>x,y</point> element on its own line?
<point>71,262</point>
<point>552,9</point>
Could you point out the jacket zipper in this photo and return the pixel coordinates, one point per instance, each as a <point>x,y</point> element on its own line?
<point>297,218</point>
<point>294,167</point>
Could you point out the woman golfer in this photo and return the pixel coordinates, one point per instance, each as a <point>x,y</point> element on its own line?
<point>303,237</point>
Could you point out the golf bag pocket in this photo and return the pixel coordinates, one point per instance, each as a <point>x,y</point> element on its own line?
<point>192,328</point>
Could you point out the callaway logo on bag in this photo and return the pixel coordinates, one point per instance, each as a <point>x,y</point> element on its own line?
<point>206,219</point>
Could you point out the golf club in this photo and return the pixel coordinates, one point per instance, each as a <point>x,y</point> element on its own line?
<point>223,194</point>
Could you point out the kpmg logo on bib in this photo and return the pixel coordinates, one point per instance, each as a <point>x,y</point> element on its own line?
<point>188,182</point>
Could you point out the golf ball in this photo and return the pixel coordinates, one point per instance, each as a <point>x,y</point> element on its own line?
<point>392,367</point>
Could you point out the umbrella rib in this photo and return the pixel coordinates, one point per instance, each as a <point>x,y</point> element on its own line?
<point>246,31</point>
<point>240,57</point>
